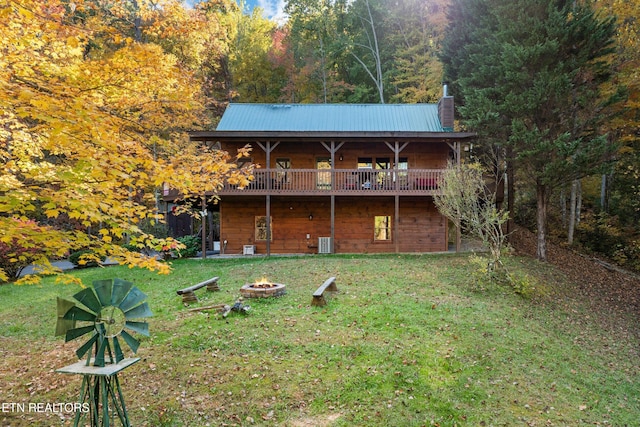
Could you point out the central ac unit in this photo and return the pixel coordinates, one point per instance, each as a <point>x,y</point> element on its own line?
<point>324,245</point>
<point>248,250</point>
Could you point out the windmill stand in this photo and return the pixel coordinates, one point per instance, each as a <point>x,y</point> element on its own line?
<point>100,387</point>
<point>106,310</point>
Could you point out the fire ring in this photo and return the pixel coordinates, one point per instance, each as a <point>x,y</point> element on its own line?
<point>263,290</point>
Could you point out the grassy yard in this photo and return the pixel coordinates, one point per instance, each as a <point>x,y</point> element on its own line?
<point>408,341</point>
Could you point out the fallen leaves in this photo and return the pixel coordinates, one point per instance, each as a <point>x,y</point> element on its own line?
<point>613,294</point>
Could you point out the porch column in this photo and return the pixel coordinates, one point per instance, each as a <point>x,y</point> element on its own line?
<point>458,225</point>
<point>268,148</point>
<point>333,196</point>
<point>396,148</point>
<point>268,197</point>
<point>455,147</point>
<point>333,220</point>
<point>203,216</point>
<point>396,216</point>
<point>268,215</point>
<point>332,148</point>
<point>396,222</point>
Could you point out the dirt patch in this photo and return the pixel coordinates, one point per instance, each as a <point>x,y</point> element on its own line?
<point>319,421</point>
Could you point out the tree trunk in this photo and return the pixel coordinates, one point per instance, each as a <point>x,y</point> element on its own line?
<point>379,81</point>
<point>373,48</point>
<point>510,190</point>
<point>541,196</point>
<point>324,70</point>
<point>563,207</point>
<point>603,193</point>
<point>572,211</point>
<point>579,203</point>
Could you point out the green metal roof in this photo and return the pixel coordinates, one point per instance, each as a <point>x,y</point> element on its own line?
<point>331,118</point>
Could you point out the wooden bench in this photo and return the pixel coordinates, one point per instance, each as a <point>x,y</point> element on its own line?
<point>188,294</point>
<point>318,296</point>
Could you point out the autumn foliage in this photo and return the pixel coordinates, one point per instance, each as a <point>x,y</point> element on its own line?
<point>92,122</point>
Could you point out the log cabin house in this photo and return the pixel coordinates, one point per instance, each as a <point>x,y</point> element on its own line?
<point>346,178</point>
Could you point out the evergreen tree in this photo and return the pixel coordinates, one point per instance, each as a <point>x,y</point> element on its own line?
<point>529,74</point>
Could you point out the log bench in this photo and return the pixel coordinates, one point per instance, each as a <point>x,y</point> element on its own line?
<point>188,294</point>
<point>318,296</point>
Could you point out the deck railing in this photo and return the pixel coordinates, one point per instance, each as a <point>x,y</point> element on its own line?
<point>340,181</point>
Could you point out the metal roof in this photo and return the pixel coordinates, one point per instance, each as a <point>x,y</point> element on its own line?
<point>331,118</point>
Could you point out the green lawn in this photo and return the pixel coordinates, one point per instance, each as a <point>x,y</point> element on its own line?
<point>408,341</point>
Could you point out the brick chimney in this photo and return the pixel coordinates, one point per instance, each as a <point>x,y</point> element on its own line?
<point>445,110</point>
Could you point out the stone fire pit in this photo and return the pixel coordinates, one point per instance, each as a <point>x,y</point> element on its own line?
<point>263,289</point>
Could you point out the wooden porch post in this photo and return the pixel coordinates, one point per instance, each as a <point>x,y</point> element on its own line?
<point>268,215</point>
<point>203,221</point>
<point>458,225</point>
<point>268,148</point>
<point>268,197</point>
<point>333,220</point>
<point>396,222</point>
<point>332,148</point>
<point>396,216</point>
<point>396,148</point>
<point>333,196</point>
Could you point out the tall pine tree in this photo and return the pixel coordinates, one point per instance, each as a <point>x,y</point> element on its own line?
<point>529,75</point>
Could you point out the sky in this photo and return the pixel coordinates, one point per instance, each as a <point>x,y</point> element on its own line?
<point>272,9</point>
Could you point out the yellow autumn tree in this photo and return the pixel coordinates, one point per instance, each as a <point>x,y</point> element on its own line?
<point>91,122</point>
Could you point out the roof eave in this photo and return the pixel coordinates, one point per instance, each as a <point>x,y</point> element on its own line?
<point>318,136</point>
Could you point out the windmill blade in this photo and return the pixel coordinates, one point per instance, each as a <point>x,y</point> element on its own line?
<point>131,341</point>
<point>117,349</point>
<point>133,298</point>
<point>72,334</point>
<point>102,346</point>
<point>138,312</point>
<point>63,305</point>
<point>103,290</point>
<point>139,327</point>
<point>89,299</point>
<point>63,325</point>
<point>120,290</point>
<point>77,313</point>
<point>86,346</point>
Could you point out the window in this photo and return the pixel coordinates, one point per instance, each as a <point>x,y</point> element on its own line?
<point>365,176</point>
<point>244,162</point>
<point>383,163</point>
<point>282,163</point>
<point>403,178</point>
<point>282,166</point>
<point>261,228</point>
<point>365,162</point>
<point>403,163</point>
<point>383,179</point>
<point>382,228</point>
<point>323,178</point>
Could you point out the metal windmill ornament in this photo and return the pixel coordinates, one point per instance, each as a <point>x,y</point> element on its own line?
<point>106,312</point>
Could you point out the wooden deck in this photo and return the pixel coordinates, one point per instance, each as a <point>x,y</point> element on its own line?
<point>348,182</point>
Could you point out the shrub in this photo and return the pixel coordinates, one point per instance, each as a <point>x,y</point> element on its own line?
<point>84,258</point>
<point>487,273</point>
<point>192,246</point>
<point>605,235</point>
<point>17,252</point>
